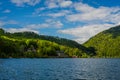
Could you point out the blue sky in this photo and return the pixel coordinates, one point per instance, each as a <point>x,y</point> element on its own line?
<point>73,19</point>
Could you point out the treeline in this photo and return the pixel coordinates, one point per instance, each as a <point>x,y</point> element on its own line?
<point>23,45</point>
<point>35,48</point>
<point>107,43</point>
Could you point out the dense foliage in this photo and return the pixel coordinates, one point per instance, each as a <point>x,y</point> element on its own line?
<point>29,44</point>
<point>61,41</point>
<point>107,43</point>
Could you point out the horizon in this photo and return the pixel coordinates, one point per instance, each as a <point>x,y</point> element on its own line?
<point>77,20</point>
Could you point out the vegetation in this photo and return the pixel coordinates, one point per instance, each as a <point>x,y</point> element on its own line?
<point>29,44</point>
<point>106,44</point>
<point>32,45</point>
<point>31,35</point>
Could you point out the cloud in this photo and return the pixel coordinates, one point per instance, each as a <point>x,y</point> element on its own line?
<point>2,23</point>
<point>22,3</point>
<point>83,7</point>
<point>83,33</point>
<point>38,10</point>
<point>60,13</point>
<point>54,23</point>
<point>37,26</point>
<point>87,14</point>
<point>48,24</point>
<point>58,3</point>
<point>7,11</point>
<point>34,27</point>
<point>51,4</point>
<point>13,30</point>
<point>54,4</point>
<point>56,14</point>
<point>58,24</point>
<point>65,3</point>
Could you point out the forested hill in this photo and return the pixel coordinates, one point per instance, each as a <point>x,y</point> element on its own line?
<point>106,43</point>
<point>30,44</point>
<point>114,31</point>
<point>61,41</point>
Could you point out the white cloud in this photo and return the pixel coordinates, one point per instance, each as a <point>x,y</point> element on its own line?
<point>34,27</point>
<point>58,3</point>
<point>38,10</point>
<point>37,26</point>
<point>7,11</point>
<point>58,24</point>
<point>23,2</point>
<point>51,4</point>
<point>83,7</point>
<point>60,13</point>
<point>101,14</point>
<point>13,30</point>
<point>65,3</point>
<point>48,24</point>
<point>2,23</point>
<point>56,14</point>
<point>83,33</point>
<point>53,23</point>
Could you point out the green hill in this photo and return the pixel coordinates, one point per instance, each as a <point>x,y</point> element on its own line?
<point>30,44</point>
<point>61,41</point>
<point>106,43</point>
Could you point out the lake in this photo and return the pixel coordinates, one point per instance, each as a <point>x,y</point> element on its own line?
<point>60,69</point>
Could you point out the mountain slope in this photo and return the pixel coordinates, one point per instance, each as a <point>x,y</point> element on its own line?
<point>61,41</point>
<point>29,44</point>
<point>106,43</point>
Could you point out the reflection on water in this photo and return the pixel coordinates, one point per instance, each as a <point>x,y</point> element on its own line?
<point>59,69</point>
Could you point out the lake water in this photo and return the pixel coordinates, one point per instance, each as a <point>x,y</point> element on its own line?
<point>60,69</point>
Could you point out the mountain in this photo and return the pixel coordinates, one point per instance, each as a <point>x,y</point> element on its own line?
<point>106,44</point>
<point>31,35</point>
<point>30,44</point>
<point>61,41</point>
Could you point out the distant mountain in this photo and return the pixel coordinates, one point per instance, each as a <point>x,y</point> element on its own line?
<point>106,43</point>
<point>30,44</point>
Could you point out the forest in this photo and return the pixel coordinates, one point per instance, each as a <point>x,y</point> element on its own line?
<point>107,43</point>
<point>32,45</point>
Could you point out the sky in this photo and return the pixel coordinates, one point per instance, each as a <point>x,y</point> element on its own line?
<point>77,20</point>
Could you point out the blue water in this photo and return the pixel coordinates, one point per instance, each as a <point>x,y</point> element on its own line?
<point>60,69</point>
